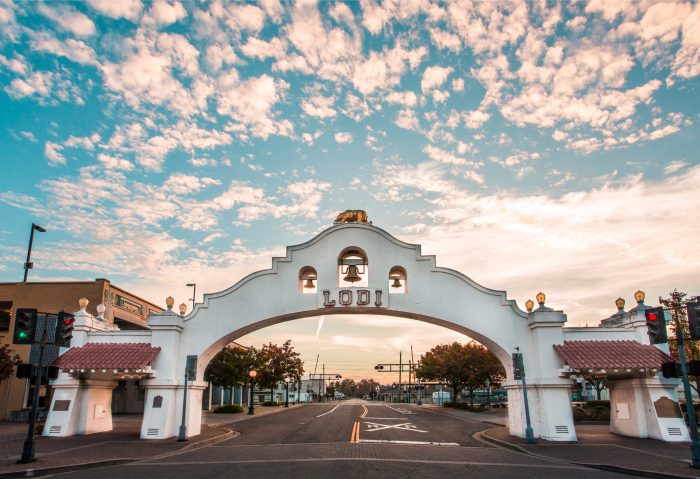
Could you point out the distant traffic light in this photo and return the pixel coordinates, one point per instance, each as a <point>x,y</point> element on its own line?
<point>656,325</point>
<point>25,326</point>
<point>64,329</point>
<point>671,369</point>
<point>379,367</point>
<point>694,319</point>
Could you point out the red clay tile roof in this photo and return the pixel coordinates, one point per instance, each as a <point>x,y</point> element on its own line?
<point>108,356</point>
<point>610,354</point>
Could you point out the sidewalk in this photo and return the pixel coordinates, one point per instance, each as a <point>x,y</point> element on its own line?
<point>597,447</point>
<point>497,416</point>
<point>58,454</point>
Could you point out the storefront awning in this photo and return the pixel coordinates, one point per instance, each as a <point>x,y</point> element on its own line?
<point>607,355</point>
<point>116,356</point>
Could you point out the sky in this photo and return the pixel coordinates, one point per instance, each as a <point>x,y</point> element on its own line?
<point>533,146</point>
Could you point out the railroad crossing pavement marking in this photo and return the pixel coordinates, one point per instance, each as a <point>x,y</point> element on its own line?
<point>355,436</point>
<point>364,413</point>
<point>406,426</point>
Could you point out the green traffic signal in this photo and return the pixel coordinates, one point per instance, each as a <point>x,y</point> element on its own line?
<point>25,326</point>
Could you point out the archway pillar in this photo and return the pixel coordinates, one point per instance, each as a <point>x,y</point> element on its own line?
<point>162,414</point>
<point>79,406</point>
<point>647,407</point>
<point>548,394</point>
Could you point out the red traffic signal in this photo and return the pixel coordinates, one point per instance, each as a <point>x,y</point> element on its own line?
<point>64,329</point>
<point>656,325</point>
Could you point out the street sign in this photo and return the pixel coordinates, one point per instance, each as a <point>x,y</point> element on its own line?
<point>191,367</point>
<point>518,367</point>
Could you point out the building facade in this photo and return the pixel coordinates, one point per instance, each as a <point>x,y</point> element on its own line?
<point>122,308</point>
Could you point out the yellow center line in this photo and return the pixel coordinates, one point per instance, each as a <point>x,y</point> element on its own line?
<point>357,434</point>
<point>364,413</point>
<point>355,427</point>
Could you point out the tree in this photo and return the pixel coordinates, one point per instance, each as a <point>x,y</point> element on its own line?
<point>230,367</point>
<point>597,382</point>
<point>461,366</point>
<point>366,387</point>
<point>274,363</point>
<point>8,361</point>
<point>679,320</point>
<point>346,387</point>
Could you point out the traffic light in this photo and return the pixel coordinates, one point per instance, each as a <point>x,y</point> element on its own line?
<point>694,319</point>
<point>64,329</point>
<point>671,369</point>
<point>25,326</point>
<point>25,370</point>
<point>518,366</point>
<point>656,325</point>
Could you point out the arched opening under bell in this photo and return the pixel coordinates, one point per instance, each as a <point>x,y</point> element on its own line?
<point>353,268</point>
<point>308,280</point>
<point>398,280</point>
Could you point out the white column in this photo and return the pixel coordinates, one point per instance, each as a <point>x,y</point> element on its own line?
<point>647,408</point>
<point>548,394</point>
<point>80,407</point>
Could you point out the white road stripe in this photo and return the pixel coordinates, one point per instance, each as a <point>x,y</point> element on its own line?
<point>412,443</point>
<point>360,459</point>
<point>400,411</point>
<point>328,412</point>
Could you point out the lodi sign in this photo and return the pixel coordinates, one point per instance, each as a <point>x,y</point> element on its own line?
<point>352,297</point>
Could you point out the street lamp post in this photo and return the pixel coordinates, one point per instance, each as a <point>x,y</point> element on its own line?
<point>251,408</point>
<point>194,292</point>
<point>286,387</point>
<point>28,264</point>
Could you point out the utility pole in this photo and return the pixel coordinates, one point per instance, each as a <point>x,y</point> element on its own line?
<point>323,379</point>
<point>400,368</point>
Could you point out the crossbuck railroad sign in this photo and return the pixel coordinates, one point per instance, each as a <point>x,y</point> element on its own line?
<point>406,426</point>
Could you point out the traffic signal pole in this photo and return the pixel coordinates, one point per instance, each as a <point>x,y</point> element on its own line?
<point>29,443</point>
<point>690,408</point>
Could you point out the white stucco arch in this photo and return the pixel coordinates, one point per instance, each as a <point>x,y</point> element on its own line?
<point>437,295</point>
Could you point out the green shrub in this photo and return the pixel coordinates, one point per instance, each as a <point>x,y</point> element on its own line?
<point>270,403</point>
<point>600,413</point>
<point>579,413</point>
<point>228,409</point>
<point>594,404</point>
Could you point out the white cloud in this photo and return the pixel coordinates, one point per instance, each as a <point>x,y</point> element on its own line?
<point>475,119</point>
<point>52,152</point>
<point>674,166</point>
<point>167,13</point>
<point>434,76</point>
<point>129,9</point>
<point>261,49</point>
<point>251,102</point>
<point>69,19</point>
<point>404,98</point>
<point>115,162</point>
<point>180,183</point>
<point>319,106</point>
<point>343,137</point>
<point>442,156</point>
<point>407,120</point>
<point>458,84</point>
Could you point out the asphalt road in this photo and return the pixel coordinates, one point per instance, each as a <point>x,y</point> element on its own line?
<point>349,439</point>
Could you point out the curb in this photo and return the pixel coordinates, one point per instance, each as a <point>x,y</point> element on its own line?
<point>482,436</point>
<point>117,462</point>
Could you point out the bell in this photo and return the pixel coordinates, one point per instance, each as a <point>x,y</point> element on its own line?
<point>309,283</point>
<point>352,276</point>
<point>396,283</point>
